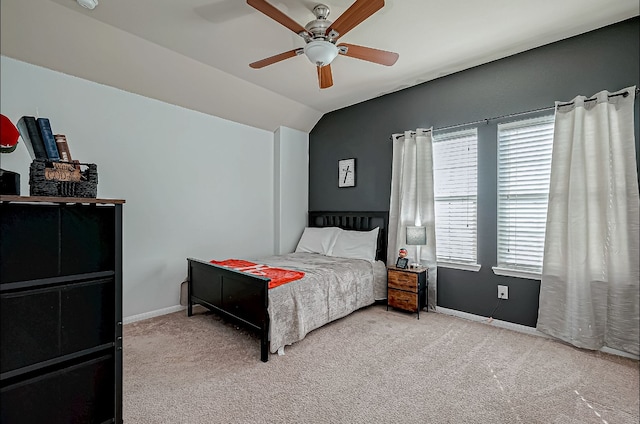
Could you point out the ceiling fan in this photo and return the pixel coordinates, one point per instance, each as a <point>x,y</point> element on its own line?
<point>320,36</point>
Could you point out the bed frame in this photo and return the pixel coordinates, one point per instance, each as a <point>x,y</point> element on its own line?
<point>244,298</point>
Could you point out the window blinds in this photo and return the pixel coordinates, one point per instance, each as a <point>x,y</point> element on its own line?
<point>524,166</point>
<point>455,163</point>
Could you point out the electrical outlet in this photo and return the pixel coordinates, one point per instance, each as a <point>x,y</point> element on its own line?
<point>503,292</point>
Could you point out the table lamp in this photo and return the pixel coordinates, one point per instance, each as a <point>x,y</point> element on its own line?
<point>417,236</point>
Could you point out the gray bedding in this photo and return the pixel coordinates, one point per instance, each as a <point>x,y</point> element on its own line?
<point>331,288</point>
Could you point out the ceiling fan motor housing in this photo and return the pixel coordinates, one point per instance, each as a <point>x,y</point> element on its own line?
<point>319,26</point>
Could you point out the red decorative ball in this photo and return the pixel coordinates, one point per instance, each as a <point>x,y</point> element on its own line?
<point>8,135</point>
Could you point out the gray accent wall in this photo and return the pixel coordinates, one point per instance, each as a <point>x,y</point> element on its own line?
<point>604,59</point>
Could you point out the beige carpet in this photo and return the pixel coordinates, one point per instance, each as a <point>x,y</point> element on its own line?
<point>373,366</point>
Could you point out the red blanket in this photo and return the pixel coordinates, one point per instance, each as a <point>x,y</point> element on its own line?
<point>278,276</point>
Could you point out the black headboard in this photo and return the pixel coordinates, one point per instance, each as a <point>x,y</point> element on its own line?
<point>359,221</point>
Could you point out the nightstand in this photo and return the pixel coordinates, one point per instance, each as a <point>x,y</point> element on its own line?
<point>407,288</point>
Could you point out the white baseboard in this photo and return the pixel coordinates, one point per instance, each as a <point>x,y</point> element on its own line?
<point>619,353</point>
<point>151,314</point>
<point>495,322</point>
<point>520,328</point>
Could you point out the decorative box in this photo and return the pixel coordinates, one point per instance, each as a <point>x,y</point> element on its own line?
<point>63,179</point>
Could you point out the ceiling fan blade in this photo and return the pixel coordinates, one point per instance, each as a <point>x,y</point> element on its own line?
<point>273,59</point>
<point>325,79</point>
<point>275,14</point>
<point>382,57</point>
<point>356,13</point>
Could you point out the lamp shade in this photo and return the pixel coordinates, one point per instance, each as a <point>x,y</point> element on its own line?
<point>416,236</point>
<point>320,52</point>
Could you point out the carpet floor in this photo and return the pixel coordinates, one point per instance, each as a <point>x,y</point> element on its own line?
<point>373,366</point>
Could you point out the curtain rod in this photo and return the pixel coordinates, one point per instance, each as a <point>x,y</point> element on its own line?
<point>624,94</point>
<point>511,115</point>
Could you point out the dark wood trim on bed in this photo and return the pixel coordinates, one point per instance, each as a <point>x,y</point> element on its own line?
<point>244,298</point>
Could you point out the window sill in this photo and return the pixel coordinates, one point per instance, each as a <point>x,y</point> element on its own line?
<point>507,272</point>
<point>460,266</point>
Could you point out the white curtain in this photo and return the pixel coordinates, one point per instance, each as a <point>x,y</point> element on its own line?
<point>589,295</point>
<point>412,201</point>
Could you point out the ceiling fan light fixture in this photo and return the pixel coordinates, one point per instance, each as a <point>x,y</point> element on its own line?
<point>321,52</point>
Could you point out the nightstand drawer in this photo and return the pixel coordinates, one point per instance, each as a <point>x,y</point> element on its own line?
<point>402,281</point>
<point>403,300</point>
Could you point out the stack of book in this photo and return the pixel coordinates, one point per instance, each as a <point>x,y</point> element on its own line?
<point>41,142</point>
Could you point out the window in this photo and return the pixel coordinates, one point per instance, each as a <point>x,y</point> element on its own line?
<point>524,167</point>
<point>455,169</point>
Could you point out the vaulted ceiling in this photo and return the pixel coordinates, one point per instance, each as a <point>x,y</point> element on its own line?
<point>196,53</point>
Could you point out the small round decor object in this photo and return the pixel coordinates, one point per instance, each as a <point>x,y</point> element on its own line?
<point>402,253</point>
<point>88,4</point>
<point>8,135</point>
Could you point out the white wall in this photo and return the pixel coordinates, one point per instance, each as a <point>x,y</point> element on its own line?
<point>195,185</point>
<point>291,185</point>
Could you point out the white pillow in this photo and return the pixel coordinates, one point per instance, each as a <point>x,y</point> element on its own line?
<point>318,240</point>
<point>356,244</point>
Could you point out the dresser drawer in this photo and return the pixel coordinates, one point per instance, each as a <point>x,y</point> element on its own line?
<point>80,393</point>
<point>43,323</point>
<point>402,281</point>
<point>403,300</point>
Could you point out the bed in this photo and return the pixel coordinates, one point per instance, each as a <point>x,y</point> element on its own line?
<point>331,288</point>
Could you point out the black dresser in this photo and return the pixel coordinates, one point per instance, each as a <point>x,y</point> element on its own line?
<point>61,310</point>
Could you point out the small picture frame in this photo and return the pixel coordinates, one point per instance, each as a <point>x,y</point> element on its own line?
<point>347,172</point>
<point>402,263</point>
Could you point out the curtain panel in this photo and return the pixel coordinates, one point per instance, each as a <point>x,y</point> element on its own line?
<point>412,201</point>
<point>589,293</point>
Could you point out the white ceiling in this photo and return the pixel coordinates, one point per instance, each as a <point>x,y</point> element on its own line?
<point>433,39</point>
